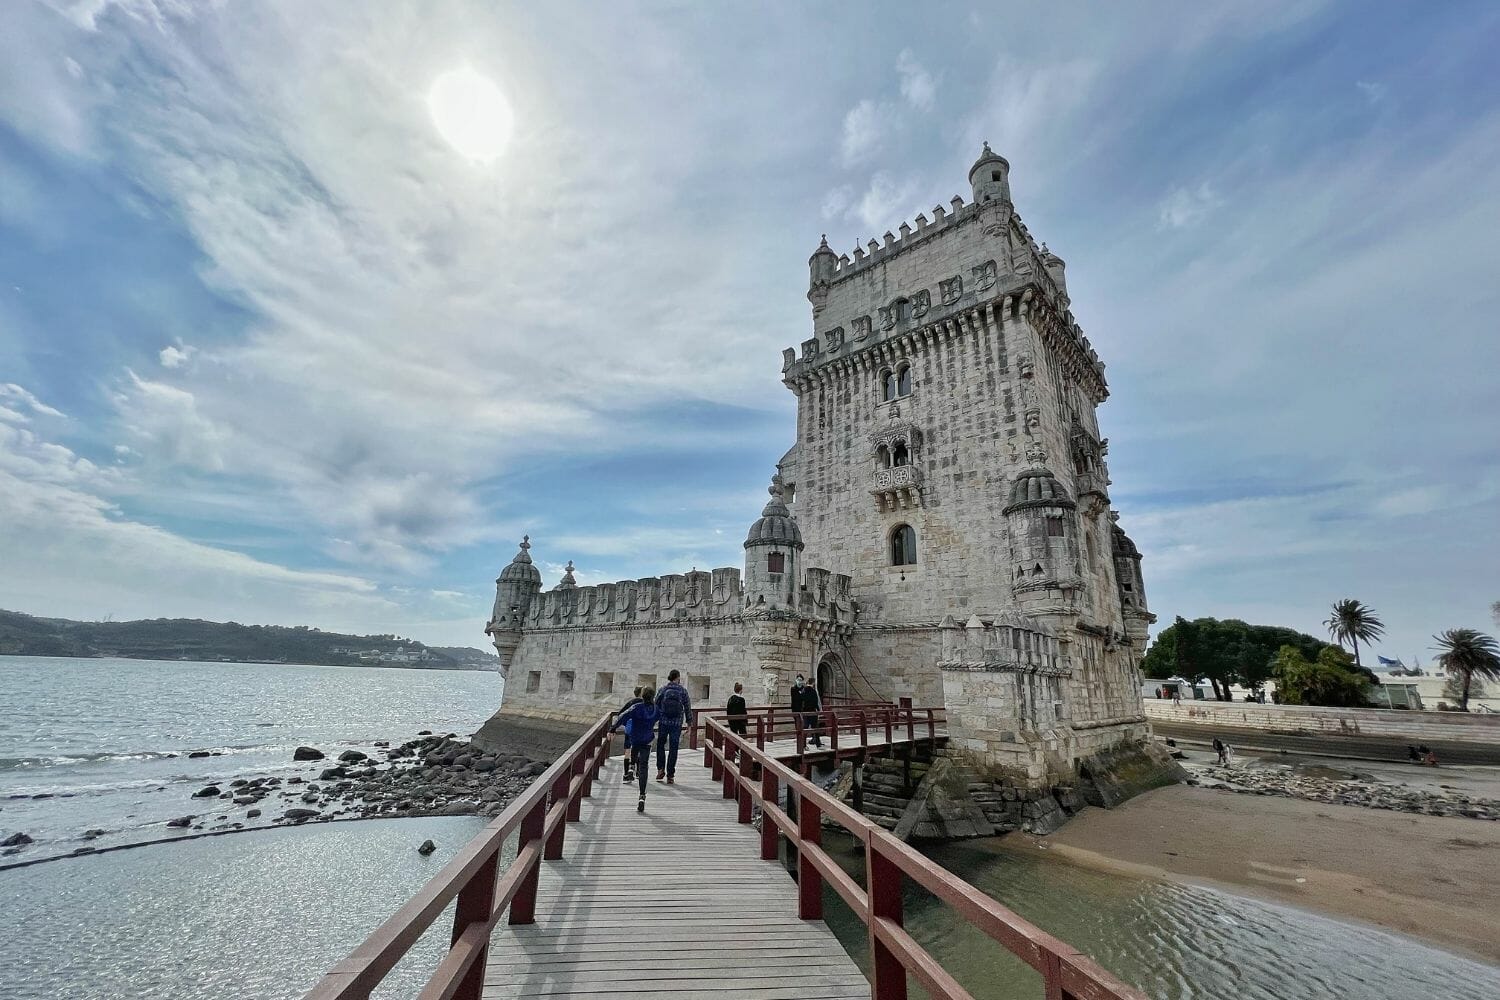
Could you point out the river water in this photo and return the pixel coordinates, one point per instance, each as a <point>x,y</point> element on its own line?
<point>261,914</point>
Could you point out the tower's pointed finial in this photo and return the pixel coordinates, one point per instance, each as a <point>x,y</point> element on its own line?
<point>525,542</point>
<point>823,243</point>
<point>987,146</point>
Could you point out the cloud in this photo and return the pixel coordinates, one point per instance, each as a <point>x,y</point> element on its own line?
<point>867,128</point>
<point>917,85</point>
<point>24,400</point>
<point>1184,207</point>
<point>176,355</point>
<point>885,199</point>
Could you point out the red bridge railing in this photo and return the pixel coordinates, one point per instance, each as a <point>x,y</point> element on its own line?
<point>756,779</point>
<point>541,814</point>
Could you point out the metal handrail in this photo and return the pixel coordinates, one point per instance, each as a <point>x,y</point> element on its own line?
<point>541,813</point>
<point>1067,973</point>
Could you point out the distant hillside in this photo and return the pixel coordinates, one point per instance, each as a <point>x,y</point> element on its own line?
<point>193,639</point>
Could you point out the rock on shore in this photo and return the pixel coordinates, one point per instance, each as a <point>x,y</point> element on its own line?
<point>1347,792</point>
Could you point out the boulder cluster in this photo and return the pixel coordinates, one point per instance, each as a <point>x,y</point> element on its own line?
<point>1346,792</point>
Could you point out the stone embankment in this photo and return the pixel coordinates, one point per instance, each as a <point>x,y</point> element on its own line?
<point>1345,792</point>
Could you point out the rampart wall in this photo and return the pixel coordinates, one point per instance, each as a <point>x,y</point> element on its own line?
<point>1407,726</point>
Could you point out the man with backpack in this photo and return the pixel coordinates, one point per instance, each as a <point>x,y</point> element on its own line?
<point>676,710</point>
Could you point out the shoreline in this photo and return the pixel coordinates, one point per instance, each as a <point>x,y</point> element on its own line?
<point>1394,871</point>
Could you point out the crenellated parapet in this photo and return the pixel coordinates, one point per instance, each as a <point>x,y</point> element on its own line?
<point>1005,642</point>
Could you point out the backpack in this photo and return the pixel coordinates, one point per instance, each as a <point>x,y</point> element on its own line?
<point>671,705</point>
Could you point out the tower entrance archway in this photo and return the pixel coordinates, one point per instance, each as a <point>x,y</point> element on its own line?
<point>832,678</point>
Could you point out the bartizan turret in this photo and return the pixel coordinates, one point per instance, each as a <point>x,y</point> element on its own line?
<point>1132,586</point>
<point>1043,544</point>
<point>821,267</point>
<point>990,178</point>
<point>515,588</point>
<point>773,551</point>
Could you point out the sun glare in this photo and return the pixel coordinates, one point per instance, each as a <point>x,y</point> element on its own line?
<point>471,113</point>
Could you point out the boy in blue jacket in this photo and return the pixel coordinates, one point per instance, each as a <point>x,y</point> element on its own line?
<point>639,723</point>
<point>635,699</point>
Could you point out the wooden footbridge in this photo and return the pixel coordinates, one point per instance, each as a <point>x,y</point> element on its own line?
<point>690,898</point>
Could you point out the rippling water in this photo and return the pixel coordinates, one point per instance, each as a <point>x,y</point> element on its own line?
<point>258,914</point>
<point>102,744</point>
<point>1175,942</point>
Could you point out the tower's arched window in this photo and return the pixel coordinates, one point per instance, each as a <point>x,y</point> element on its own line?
<point>899,455</point>
<point>903,546</point>
<point>883,457</point>
<point>903,380</point>
<point>888,385</point>
<point>903,310</point>
<point>776,562</point>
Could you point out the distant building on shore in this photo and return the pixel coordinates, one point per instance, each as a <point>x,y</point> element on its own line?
<point>941,529</point>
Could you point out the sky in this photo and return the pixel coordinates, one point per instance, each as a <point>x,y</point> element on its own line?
<point>273,350</point>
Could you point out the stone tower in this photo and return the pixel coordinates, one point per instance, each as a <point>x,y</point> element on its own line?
<point>515,588</point>
<point>773,547</point>
<point>949,460</point>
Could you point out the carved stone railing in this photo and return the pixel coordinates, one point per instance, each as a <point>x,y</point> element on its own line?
<point>898,487</point>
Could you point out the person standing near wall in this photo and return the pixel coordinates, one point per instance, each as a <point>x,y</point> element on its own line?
<point>805,703</point>
<point>737,710</point>
<point>676,710</point>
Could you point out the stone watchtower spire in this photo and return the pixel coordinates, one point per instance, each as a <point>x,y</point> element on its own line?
<point>990,177</point>
<point>515,587</point>
<point>772,550</point>
<point>822,267</point>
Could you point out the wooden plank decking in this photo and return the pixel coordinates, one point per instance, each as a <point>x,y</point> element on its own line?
<point>673,902</point>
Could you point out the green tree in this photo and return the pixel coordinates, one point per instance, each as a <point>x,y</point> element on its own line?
<point>1333,679</point>
<point>1224,652</point>
<point>1352,621</point>
<point>1467,653</point>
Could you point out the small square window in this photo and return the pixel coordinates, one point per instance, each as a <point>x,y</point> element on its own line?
<point>700,690</point>
<point>564,681</point>
<point>1054,527</point>
<point>534,681</point>
<point>776,562</point>
<point>994,175</point>
<point>604,682</point>
<point>645,680</point>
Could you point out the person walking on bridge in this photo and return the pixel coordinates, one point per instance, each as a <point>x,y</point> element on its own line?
<point>635,699</point>
<point>737,711</point>
<point>639,724</point>
<point>676,710</point>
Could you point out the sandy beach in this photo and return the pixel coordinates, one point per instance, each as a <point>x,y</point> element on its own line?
<point>1433,878</point>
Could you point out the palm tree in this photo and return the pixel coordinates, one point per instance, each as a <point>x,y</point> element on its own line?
<point>1354,621</point>
<point>1465,652</point>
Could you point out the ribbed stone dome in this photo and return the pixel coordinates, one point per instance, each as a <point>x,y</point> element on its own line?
<point>987,156</point>
<point>776,525</point>
<point>520,569</point>
<point>1038,487</point>
<point>1121,544</point>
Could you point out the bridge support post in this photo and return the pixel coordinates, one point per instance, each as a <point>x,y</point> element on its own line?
<point>475,901</point>
<point>523,906</point>
<point>809,879</point>
<point>575,806</point>
<point>883,881</point>
<point>769,796</point>
<point>742,792</point>
<point>554,849</point>
<point>711,759</point>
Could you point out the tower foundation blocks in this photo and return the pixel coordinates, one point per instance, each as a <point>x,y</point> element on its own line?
<point>941,529</point>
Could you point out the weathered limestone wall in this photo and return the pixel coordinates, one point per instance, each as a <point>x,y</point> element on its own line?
<point>898,662</point>
<point>1407,726</point>
<point>578,673</point>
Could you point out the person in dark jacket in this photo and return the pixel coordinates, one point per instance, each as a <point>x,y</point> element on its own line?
<point>736,710</point>
<point>635,699</point>
<point>806,703</point>
<point>676,711</point>
<point>640,725</point>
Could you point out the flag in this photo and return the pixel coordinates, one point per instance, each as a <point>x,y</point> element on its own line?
<point>1385,662</point>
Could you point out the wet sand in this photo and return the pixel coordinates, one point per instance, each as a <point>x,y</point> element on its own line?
<point>1432,878</point>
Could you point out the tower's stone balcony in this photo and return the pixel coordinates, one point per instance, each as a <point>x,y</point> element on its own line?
<point>898,487</point>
